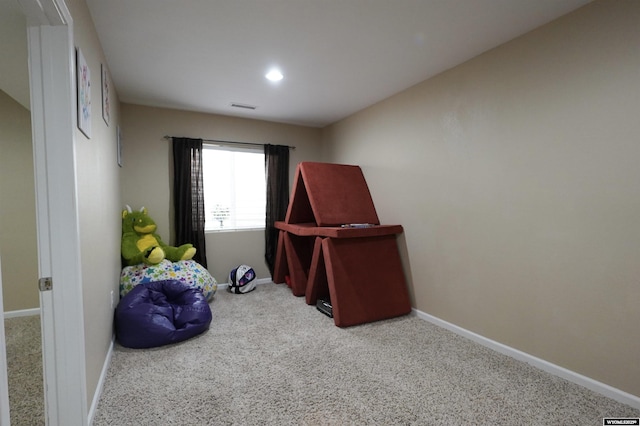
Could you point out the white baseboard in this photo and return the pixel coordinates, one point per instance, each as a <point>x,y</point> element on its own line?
<point>101,380</point>
<point>556,370</point>
<point>223,286</point>
<point>22,313</point>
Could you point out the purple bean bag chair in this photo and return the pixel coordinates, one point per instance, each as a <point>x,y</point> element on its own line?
<point>160,313</point>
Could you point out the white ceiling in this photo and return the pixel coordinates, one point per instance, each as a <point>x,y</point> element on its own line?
<point>337,56</point>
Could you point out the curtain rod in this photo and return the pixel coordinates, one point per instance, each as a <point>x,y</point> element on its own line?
<point>230,142</point>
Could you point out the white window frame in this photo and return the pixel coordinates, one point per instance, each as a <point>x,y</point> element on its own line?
<point>233,148</point>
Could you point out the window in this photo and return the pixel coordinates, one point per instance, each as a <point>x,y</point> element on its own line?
<point>234,188</point>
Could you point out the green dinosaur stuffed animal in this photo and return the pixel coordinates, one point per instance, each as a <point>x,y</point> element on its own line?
<point>140,243</point>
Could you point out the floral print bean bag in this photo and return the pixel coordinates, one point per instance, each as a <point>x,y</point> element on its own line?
<point>187,271</point>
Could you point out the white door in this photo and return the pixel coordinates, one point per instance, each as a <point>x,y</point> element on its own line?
<point>4,386</point>
<point>51,79</point>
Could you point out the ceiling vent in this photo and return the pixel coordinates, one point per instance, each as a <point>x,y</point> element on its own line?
<point>243,106</point>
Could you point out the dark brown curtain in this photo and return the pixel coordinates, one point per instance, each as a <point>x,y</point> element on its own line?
<point>276,160</point>
<point>188,196</point>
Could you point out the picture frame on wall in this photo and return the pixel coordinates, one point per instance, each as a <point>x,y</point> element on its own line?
<point>84,94</point>
<point>106,105</point>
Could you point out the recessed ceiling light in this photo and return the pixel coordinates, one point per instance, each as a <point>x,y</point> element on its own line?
<point>274,75</point>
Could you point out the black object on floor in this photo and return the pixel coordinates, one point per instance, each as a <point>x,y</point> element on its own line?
<point>325,307</point>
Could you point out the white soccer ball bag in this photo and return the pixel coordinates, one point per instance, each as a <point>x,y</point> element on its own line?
<point>242,279</point>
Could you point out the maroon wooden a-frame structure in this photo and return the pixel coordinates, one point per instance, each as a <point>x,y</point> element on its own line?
<point>332,245</point>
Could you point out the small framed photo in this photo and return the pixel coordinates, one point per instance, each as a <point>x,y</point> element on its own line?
<point>84,94</point>
<point>106,105</point>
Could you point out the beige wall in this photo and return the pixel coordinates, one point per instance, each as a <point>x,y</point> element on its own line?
<point>18,247</point>
<point>516,178</point>
<point>98,205</point>
<point>147,171</point>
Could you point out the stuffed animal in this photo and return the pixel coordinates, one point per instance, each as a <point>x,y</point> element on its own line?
<point>140,243</point>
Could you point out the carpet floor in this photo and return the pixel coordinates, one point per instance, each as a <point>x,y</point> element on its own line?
<point>270,359</point>
<point>24,368</point>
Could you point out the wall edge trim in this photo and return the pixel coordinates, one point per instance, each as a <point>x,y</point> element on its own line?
<point>584,381</point>
<point>22,313</point>
<point>101,381</point>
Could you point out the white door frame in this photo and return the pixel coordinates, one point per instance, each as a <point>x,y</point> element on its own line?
<point>4,384</point>
<point>53,118</point>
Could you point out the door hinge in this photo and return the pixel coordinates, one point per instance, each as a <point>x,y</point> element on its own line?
<point>45,284</point>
